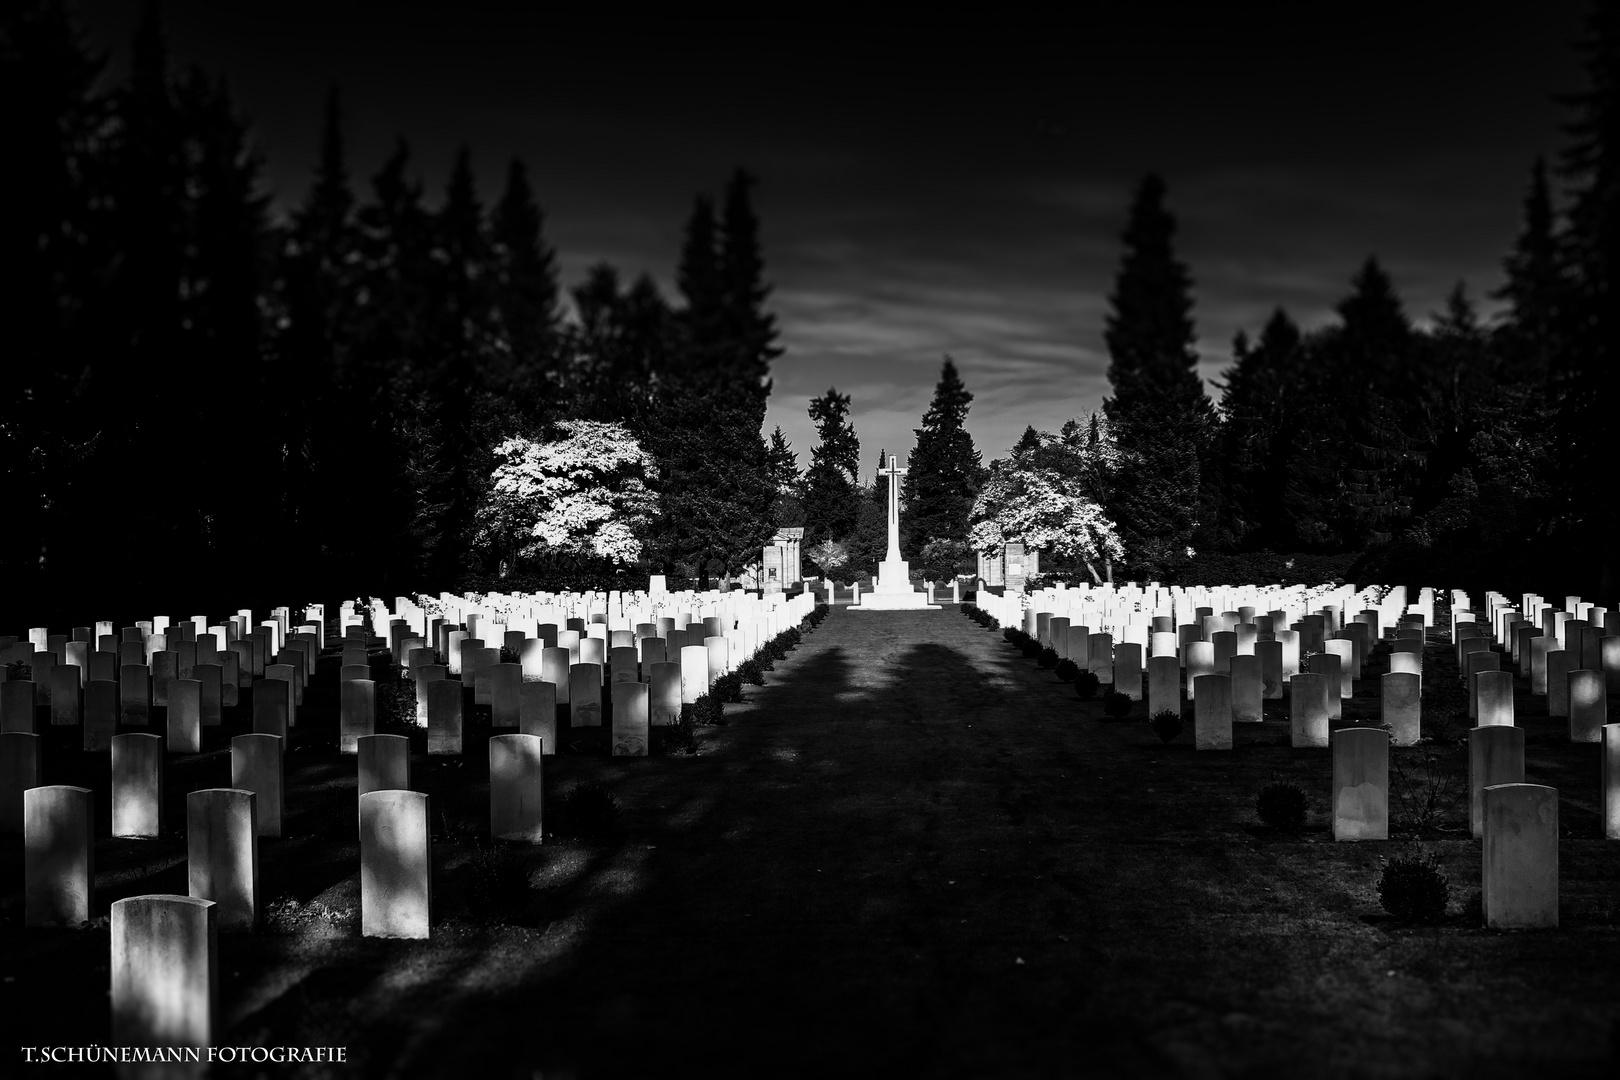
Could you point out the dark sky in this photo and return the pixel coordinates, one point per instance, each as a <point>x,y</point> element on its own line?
<point>945,183</point>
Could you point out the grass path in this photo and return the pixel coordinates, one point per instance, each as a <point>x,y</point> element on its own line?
<point>914,853</point>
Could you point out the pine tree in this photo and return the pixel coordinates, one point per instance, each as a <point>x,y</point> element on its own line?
<point>526,313</point>
<point>714,486</point>
<point>749,330</point>
<point>832,483</point>
<point>319,393</point>
<point>714,385</point>
<point>623,338</point>
<point>702,360</point>
<point>469,417</point>
<point>149,234</point>
<point>225,273</point>
<point>944,473</point>
<point>53,465</point>
<point>391,346</point>
<point>1380,370</point>
<point>1528,337</point>
<point>783,465</point>
<point>1161,418</point>
<point>1584,373</point>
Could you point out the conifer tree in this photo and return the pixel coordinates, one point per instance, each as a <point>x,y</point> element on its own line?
<point>1379,367</point>
<point>1528,337</point>
<point>1161,418</point>
<point>749,330</point>
<point>783,466</point>
<point>1586,369</point>
<point>702,358</point>
<point>944,471</point>
<point>526,315</point>
<point>225,273</point>
<point>51,255</point>
<point>323,393</point>
<point>391,349</point>
<point>150,235</point>
<point>832,483</point>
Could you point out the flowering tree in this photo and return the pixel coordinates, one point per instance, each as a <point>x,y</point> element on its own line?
<point>582,494</point>
<point>1039,496</point>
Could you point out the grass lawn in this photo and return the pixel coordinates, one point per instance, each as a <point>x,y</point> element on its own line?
<point>912,852</point>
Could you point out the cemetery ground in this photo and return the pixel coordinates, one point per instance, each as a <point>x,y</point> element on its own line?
<point>911,852</point>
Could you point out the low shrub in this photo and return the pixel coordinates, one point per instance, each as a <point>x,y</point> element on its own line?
<point>1414,889</point>
<point>1086,684</point>
<point>396,702</point>
<point>727,688</point>
<point>1029,647</point>
<point>1067,670</point>
<point>1048,658</point>
<point>752,672</point>
<point>585,811</point>
<point>1282,806</point>
<point>510,655</point>
<point>677,738</point>
<point>1167,724</point>
<point>706,711</point>
<point>1011,634</point>
<point>1117,705</point>
<point>497,882</point>
<point>790,637</point>
<point>19,671</point>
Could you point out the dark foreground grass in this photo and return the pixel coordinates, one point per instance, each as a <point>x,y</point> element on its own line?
<point>912,852</point>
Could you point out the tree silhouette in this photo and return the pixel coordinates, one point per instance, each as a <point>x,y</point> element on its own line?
<point>944,472</point>
<point>832,483</point>
<point>1160,416</point>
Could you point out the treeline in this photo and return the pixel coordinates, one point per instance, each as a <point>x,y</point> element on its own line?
<point>207,400</point>
<point>1466,451</point>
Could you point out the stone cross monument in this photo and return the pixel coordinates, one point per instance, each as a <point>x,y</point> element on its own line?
<point>893,591</point>
<point>894,473</point>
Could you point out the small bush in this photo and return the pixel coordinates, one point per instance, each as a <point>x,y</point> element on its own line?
<point>791,637</point>
<point>396,703</point>
<point>1117,705</point>
<point>727,688</point>
<point>752,672</point>
<point>1167,724</point>
<point>1010,634</point>
<point>497,882</point>
<point>1048,658</point>
<point>510,655</point>
<point>677,738</point>
<point>1029,647</point>
<point>19,671</point>
<point>1282,806</point>
<point>1414,889</point>
<point>706,711</point>
<point>1067,670</point>
<point>1086,684</point>
<point>992,622</point>
<point>585,811</point>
